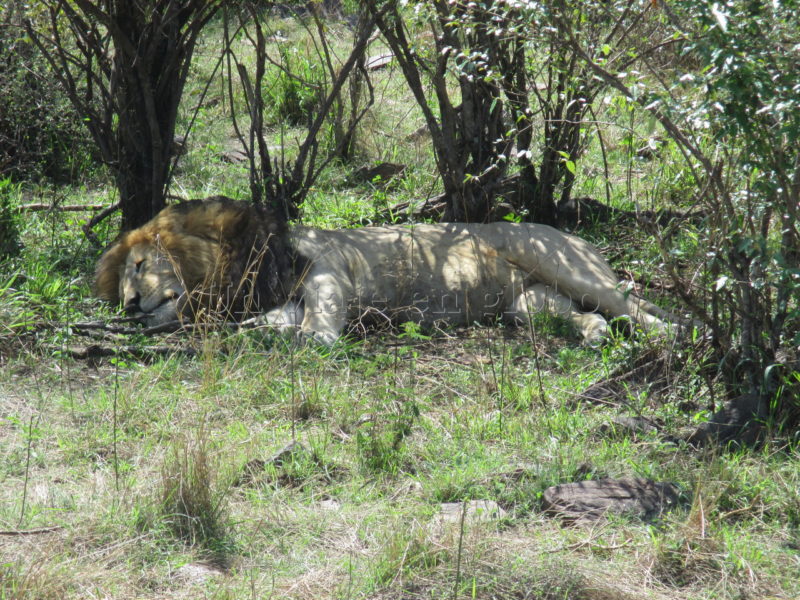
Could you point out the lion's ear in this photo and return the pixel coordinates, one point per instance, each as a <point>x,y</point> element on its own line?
<point>107,274</point>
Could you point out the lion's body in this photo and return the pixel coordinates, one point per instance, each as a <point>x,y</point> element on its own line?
<point>449,273</point>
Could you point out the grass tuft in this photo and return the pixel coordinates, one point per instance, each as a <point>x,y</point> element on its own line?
<point>192,502</point>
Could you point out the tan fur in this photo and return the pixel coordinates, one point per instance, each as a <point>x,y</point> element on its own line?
<point>318,281</point>
<point>209,251</point>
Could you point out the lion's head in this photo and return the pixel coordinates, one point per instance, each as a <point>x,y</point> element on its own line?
<point>215,255</point>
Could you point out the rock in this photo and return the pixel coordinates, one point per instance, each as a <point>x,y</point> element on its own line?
<point>330,505</point>
<point>195,573</point>
<point>447,522</point>
<point>379,61</point>
<point>234,157</point>
<point>477,511</point>
<point>626,426</point>
<point>591,500</point>
<point>178,146</point>
<point>652,149</point>
<point>288,452</point>
<point>739,423</point>
<point>255,467</point>
<point>380,173</point>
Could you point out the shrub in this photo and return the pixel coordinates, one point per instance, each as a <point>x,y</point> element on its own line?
<point>10,244</point>
<point>40,133</point>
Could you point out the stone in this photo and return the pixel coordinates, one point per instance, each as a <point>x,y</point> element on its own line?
<point>593,499</point>
<point>381,172</point>
<point>196,573</point>
<point>626,426</point>
<point>254,468</point>
<point>288,452</point>
<point>234,157</point>
<point>379,61</point>
<point>477,511</point>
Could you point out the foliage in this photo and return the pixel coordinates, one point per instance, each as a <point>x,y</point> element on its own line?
<point>751,106</point>
<point>40,132</point>
<point>512,97</point>
<point>380,442</point>
<point>394,429</point>
<point>124,73</point>
<point>10,244</point>
<point>293,92</point>
<point>740,139</point>
<point>311,90</point>
<point>191,502</point>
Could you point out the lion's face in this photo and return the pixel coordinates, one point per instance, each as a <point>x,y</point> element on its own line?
<point>215,256</point>
<point>149,287</point>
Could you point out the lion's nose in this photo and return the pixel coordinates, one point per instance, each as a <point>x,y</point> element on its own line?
<point>132,305</point>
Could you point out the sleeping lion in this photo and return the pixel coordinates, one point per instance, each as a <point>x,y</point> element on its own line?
<point>233,258</point>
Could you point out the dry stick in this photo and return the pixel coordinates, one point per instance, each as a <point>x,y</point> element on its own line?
<point>59,208</point>
<point>497,384</point>
<point>536,364</point>
<point>96,351</point>
<point>37,531</point>
<point>502,398</point>
<point>27,471</point>
<point>294,395</point>
<point>460,549</point>
<point>114,432</point>
<point>87,228</point>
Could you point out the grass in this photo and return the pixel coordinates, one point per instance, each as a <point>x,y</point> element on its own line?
<point>140,467</point>
<point>133,478</point>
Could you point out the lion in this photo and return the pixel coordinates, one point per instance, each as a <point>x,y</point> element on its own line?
<point>231,257</point>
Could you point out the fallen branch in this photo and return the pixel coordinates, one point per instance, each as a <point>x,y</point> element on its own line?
<point>651,369</point>
<point>60,207</point>
<point>102,326</point>
<point>95,351</point>
<point>117,326</point>
<point>37,531</point>
<point>99,217</point>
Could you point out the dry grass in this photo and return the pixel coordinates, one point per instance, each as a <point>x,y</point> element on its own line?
<point>343,518</point>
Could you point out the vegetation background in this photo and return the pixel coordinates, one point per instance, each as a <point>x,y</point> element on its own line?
<point>229,464</point>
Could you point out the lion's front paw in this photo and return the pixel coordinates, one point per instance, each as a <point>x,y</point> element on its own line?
<point>324,338</point>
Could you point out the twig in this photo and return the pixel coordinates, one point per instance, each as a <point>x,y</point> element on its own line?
<point>584,543</point>
<point>60,208</point>
<point>99,217</point>
<point>114,326</point>
<point>84,328</point>
<point>27,471</point>
<point>96,351</point>
<point>36,531</point>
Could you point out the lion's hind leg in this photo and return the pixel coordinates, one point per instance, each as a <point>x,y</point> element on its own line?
<point>652,319</point>
<point>539,298</point>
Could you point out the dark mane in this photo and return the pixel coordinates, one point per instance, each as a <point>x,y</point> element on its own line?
<point>261,267</point>
<point>232,256</point>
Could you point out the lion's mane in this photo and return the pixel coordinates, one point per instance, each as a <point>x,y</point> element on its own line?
<point>239,251</point>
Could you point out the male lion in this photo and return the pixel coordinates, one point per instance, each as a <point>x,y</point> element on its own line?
<point>222,255</point>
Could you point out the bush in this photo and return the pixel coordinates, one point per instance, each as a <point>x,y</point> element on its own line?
<point>296,90</point>
<point>10,244</point>
<point>40,133</point>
